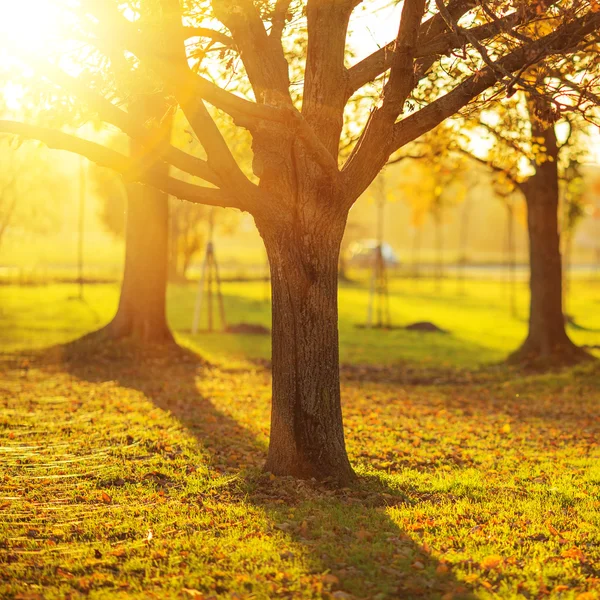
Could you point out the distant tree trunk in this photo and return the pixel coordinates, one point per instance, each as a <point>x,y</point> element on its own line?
<point>141,314</point>
<point>192,243</point>
<point>173,260</point>
<point>568,252</point>
<point>416,253</point>
<point>510,257</point>
<point>439,249</point>
<point>547,338</point>
<point>307,436</point>
<point>142,305</point>
<point>342,269</point>
<point>463,245</point>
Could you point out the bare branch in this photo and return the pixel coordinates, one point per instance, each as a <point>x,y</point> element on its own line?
<point>325,74</point>
<point>262,55</point>
<point>371,150</point>
<point>358,172</point>
<point>130,169</point>
<point>206,32</point>
<point>154,140</point>
<point>492,167</point>
<point>183,84</point>
<point>380,61</point>
<point>279,18</point>
<point>433,114</point>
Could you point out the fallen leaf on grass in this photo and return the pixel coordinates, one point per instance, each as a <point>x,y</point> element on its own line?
<point>574,553</point>
<point>193,593</point>
<point>491,562</point>
<point>106,498</point>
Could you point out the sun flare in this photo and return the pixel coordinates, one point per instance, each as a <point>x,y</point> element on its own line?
<point>32,25</point>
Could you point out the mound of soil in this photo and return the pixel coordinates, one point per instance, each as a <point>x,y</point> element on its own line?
<point>251,328</point>
<point>425,326</point>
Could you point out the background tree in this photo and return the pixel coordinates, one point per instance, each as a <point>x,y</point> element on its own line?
<point>436,184</point>
<point>527,153</point>
<point>187,222</point>
<point>29,185</point>
<point>298,194</point>
<point>507,193</point>
<point>573,209</point>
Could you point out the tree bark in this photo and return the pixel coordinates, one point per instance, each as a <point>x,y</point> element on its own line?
<point>307,436</point>
<point>547,339</point>
<point>142,306</point>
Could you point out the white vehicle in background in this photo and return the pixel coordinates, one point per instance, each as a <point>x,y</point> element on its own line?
<point>362,254</point>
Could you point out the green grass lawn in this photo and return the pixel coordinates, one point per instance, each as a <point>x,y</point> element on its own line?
<point>479,321</point>
<point>139,477</point>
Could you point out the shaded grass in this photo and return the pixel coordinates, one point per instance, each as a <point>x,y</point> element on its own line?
<point>466,491</point>
<point>485,488</point>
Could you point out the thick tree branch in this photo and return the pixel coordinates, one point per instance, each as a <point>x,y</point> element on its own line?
<point>129,168</point>
<point>362,166</point>
<point>189,89</point>
<point>370,148</point>
<point>206,32</point>
<point>279,18</point>
<point>118,32</point>
<point>325,78</point>
<point>153,140</point>
<point>402,76</point>
<point>380,61</point>
<point>433,114</point>
<point>183,85</point>
<point>262,55</point>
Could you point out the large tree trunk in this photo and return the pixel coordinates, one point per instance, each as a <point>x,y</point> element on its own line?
<point>142,306</point>
<point>307,436</point>
<point>547,338</point>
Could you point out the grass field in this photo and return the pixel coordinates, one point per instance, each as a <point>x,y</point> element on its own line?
<point>126,476</point>
<point>481,329</point>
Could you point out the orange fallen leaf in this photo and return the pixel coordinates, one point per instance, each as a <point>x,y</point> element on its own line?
<point>574,553</point>
<point>106,498</point>
<point>193,593</point>
<point>491,562</point>
<point>442,568</point>
<point>553,529</point>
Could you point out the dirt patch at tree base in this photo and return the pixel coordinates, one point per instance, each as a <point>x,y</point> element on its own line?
<point>425,326</point>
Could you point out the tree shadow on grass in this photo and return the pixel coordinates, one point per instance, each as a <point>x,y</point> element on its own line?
<point>347,535</point>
